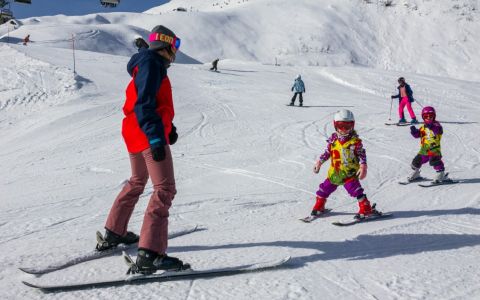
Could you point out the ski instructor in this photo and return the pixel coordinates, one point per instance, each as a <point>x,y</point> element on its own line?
<point>148,131</point>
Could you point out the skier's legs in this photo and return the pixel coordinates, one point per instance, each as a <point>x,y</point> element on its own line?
<point>419,160</point>
<point>354,188</point>
<point>293,99</point>
<point>410,110</point>
<point>437,163</point>
<point>124,204</point>
<point>401,107</point>
<point>154,233</point>
<point>301,98</point>
<point>326,188</point>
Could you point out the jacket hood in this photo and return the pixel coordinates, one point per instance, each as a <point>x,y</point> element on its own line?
<point>145,54</point>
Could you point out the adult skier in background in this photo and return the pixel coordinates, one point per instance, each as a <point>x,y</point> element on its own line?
<point>405,98</point>
<point>430,134</point>
<point>148,131</point>
<point>26,40</point>
<point>298,88</point>
<point>348,165</point>
<point>214,65</point>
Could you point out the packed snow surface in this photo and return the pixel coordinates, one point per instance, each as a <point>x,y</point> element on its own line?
<point>244,160</point>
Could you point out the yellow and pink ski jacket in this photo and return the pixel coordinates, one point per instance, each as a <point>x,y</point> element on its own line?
<point>346,154</point>
<point>430,137</point>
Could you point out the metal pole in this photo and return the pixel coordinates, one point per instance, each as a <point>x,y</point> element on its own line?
<point>73,50</point>
<point>390,115</point>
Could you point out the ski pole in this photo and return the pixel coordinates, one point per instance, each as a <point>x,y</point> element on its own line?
<point>390,114</point>
<point>419,103</point>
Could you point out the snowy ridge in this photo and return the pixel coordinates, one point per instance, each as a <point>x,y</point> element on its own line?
<point>243,160</point>
<point>354,32</point>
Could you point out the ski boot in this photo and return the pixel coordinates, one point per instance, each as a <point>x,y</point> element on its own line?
<point>111,240</point>
<point>148,262</point>
<point>402,121</point>
<point>301,104</point>
<point>415,174</point>
<point>365,209</point>
<point>441,177</point>
<point>319,207</point>
<point>414,121</point>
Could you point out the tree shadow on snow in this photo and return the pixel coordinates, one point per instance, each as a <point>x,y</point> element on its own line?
<point>241,71</point>
<point>435,213</point>
<point>11,40</point>
<point>362,247</point>
<point>306,106</point>
<point>459,123</point>
<point>471,180</point>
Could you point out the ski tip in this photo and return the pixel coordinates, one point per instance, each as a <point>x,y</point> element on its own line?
<point>285,259</point>
<point>30,271</point>
<point>30,284</point>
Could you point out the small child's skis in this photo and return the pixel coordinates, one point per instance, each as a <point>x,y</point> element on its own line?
<point>418,179</point>
<point>361,219</point>
<point>312,217</point>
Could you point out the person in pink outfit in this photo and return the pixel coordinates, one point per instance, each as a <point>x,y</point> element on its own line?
<point>405,97</point>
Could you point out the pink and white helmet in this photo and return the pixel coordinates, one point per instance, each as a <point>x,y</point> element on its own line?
<point>428,114</point>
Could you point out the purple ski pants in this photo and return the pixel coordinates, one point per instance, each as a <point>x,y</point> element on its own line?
<point>353,187</point>
<point>435,161</point>
<point>154,232</point>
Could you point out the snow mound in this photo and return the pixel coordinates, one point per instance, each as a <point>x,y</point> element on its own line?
<point>31,84</point>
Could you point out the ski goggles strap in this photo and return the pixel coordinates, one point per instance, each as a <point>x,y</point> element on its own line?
<point>172,41</point>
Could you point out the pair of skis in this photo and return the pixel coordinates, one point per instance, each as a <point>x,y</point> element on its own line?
<point>402,123</point>
<point>430,183</point>
<point>94,254</point>
<point>165,276</point>
<point>375,216</point>
<point>189,274</point>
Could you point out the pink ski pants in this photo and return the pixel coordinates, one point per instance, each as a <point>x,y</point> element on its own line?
<point>154,232</point>
<point>404,102</point>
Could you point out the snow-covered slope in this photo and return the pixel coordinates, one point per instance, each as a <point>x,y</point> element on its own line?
<point>243,164</point>
<point>431,37</point>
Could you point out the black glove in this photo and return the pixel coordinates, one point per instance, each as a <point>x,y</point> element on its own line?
<point>140,43</point>
<point>413,129</point>
<point>392,96</point>
<point>173,136</point>
<point>158,151</point>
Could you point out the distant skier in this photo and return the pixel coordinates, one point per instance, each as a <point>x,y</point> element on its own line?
<point>214,65</point>
<point>348,165</point>
<point>405,98</point>
<point>26,40</point>
<point>298,88</point>
<point>430,135</point>
<point>148,131</point>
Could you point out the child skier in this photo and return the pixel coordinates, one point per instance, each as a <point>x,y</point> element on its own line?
<point>405,98</point>
<point>430,134</point>
<point>348,165</point>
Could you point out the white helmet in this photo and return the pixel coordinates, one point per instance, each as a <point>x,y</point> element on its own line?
<point>345,121</point>
<point>298,77</point>
<point>344,115</point>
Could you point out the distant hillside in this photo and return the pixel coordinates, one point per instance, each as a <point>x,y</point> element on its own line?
<point>432,37</point>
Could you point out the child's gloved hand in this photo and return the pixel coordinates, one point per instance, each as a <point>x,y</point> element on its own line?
<point>413,129</point>
<point>317,166</point>
<point>362,172</point>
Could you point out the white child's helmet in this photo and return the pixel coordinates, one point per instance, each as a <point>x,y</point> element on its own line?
<point>344,120</point>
